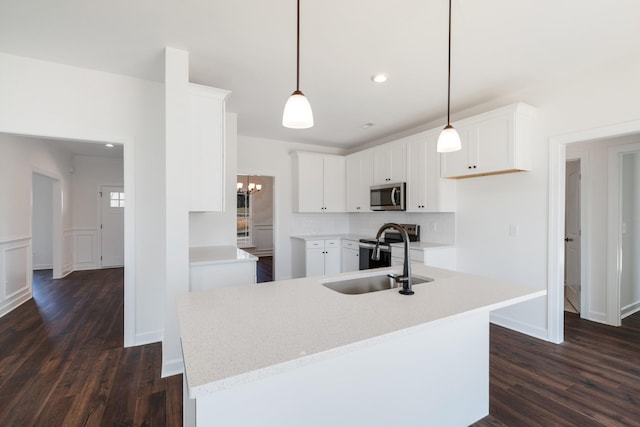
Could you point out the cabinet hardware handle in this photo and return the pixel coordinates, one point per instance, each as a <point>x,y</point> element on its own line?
<point>568,239</point>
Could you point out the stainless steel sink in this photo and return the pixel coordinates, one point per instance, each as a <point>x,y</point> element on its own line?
<point>365,285</point>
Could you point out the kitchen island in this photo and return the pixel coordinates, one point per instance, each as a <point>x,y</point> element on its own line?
<point>295,352</point>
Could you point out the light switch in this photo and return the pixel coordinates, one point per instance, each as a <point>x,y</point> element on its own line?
<point>514,230</point>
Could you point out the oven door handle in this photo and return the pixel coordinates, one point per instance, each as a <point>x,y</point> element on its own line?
<point>383,248</point>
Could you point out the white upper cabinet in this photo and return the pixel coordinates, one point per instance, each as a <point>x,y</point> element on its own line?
<point>359,180</point>
<point>498,141</point>
<point>389,163</point>
<point>426,190</point>
<point>205,144</point>
<point>319,182</point>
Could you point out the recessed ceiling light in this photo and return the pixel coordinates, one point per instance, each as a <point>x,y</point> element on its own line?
<point>367,125</point>
<point>108,145</point>
<point>379,77</point>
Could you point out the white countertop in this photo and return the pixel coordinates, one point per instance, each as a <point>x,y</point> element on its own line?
<point>204,255</point>
<point>236,335</point>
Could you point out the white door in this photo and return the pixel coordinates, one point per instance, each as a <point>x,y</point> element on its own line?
<point>572,233</point>
<point>112,226</point>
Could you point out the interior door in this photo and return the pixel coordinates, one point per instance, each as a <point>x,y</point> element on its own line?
<point>572,233</point>
<point>112,226</point>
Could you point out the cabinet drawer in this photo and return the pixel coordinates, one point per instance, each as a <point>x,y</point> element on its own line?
<point>332,243</point>
<point>350,244</point>
<point>310,244</point>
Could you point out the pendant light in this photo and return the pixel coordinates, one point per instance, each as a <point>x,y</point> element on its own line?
<point>449,140</point>
<point>297,111</point>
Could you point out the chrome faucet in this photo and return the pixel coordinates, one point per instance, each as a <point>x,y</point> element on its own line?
<point>405,278</point>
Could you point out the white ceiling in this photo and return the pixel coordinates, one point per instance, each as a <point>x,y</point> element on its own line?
<point>248,47</point>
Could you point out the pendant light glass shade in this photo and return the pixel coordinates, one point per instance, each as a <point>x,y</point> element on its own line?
<point>297,112</point>
<point>449,140</point>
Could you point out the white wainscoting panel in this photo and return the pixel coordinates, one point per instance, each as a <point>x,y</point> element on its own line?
<point>67,252</point>
<point>15,273</point>
<point>263,240</point>
<point>86,254</point>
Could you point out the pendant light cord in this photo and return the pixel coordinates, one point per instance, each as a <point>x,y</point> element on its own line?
<point>448,71</point>
<point>298,51</point>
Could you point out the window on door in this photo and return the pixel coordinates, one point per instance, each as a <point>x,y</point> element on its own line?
<point>116,199</point>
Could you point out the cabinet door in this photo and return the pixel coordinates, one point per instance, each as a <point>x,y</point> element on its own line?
<point>359,180</point>
<point>310,186</point>
<point>334,184</point>
<point>389,164</point>
<point>206,148</point>
<point>398,163</point>
<point>314,262</point>
<point>416,174</point>
<point>332,259</point>
<point>459,163</point>
<point>495,152</point>
<point>382,166</point>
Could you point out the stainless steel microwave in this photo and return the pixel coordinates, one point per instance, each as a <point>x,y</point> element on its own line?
<point>388,197</point>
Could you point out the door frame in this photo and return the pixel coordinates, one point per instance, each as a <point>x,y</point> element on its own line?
<point>557,167</point>
<point>614,224</point>
<point>128,143</point>
<point>585,237</point>
<point>57,227</point>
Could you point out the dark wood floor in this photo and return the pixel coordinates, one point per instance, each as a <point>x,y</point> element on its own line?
<point>265,269</point>
<point>62,361</point>
<point>592,379</point>
<point>62,364</point>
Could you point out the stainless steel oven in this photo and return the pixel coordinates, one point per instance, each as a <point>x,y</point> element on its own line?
<point>367,247</point>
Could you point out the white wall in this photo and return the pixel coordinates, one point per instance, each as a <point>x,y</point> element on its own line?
<point>42,222</point>
<point>19,158</point>
<point>43,98</point>
<point>257,156</point>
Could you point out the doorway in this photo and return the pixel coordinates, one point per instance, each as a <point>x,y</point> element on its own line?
<point>573,233</point>
<point>46,223</point>
<point>254,223</point>
<point>624,225</point>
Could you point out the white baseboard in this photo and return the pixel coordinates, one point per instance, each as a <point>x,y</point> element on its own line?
<point>15,301</point>
<point>172,367</point>
<point>149,337</point>
<point>42,267</point>
<point>630,309</point>
<point>516,325</point>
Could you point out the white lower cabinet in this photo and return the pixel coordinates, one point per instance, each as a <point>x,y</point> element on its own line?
<point>437,256</point>
<point>350,255</point>
<point>221,275</point>
<point>315,257</point>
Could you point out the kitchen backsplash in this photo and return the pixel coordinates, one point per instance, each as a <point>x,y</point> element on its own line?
<point>434,227</point>
<point>334,223</point>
